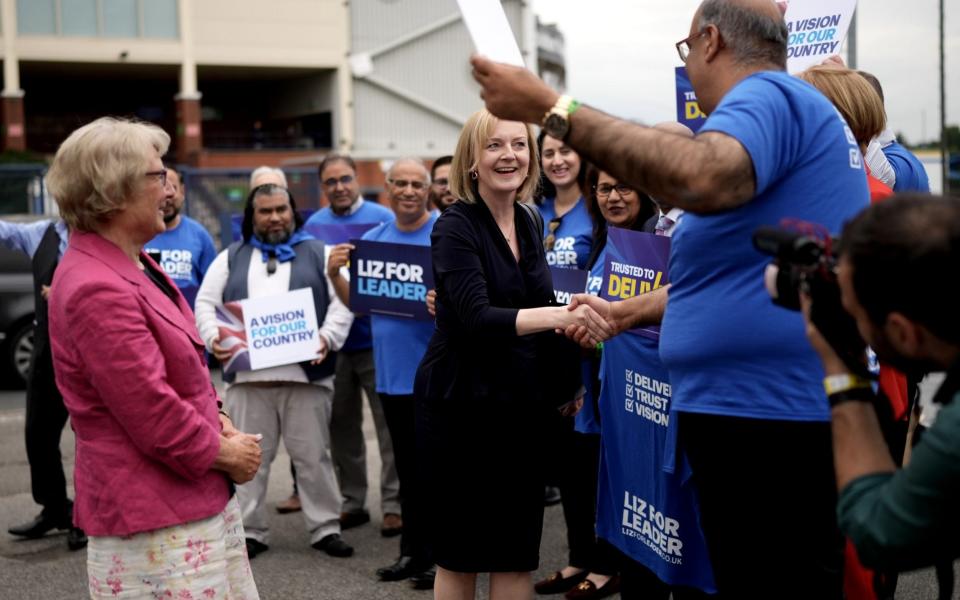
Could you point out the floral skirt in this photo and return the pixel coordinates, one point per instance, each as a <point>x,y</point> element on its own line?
<point>194,561</point>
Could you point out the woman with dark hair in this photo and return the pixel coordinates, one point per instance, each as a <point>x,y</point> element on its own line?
<point>591,569</point>
<point>567,227</point>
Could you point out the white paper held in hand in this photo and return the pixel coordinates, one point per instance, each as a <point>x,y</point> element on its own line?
<point>490,30</point>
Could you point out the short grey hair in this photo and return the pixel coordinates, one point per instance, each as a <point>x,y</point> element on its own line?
<point>753,37</point>
<point>267,171</point>
<point>409,160</point>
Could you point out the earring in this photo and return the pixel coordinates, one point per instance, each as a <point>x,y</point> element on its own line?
<point>473,175</point>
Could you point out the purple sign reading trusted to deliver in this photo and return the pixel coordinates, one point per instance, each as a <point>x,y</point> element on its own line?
<point>390,279</point>
<point>636,263</point>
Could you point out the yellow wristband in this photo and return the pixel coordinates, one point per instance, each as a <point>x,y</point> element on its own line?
<point>834,384</point>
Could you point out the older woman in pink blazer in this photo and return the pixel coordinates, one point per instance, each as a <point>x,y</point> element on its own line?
<point>154,459</point>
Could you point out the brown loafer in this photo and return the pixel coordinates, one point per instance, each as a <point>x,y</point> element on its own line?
<point>290,505</point>
<point>392,525</point>
<point>557,584</point>
<point>586,590</point>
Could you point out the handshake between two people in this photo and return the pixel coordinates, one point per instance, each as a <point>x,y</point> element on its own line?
<point>594,320</point>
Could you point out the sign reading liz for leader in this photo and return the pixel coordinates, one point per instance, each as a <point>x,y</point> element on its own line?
<point>390,279</point>
<point>277,330</point>
<point>636,263</point>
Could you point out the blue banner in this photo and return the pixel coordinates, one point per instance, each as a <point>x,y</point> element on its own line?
<point>390,279</point>
<point>338,233</point>
<point>688,110</point>
<point>567,282</point>
<point>635,263</point>
<point>646,504</point>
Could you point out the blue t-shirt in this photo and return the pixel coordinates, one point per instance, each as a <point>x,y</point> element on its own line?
<point>185,255</point>
<point>399,344</point>
<point>911,176</point>
<point>729,350</point>
<point>586,420</point>
<point>369,212</point>
<point>574,236</point>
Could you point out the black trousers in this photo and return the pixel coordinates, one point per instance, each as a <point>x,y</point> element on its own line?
<point>400,414</point>
<point>640,583</point>
<point>768,505</point>
<point>46,417</point>
<point>575,459</point>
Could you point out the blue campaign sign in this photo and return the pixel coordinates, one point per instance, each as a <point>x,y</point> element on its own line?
<point>567,282</point>
<point>688,110</point>
<point>635,263</point>
<point>390,279</point>
<point>646,504</point>
<point>338,233</point>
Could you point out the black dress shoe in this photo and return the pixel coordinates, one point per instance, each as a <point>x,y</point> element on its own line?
<point>558,584</point>
<point>551,496</point>
<point>255,547</point>
<point>40,526</point>
<point>349,520</point>
<point>424,579</point>
<point>402,569</point>
<point>334,545</point>
<point>76,539</point>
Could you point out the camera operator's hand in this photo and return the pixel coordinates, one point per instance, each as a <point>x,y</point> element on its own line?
<point>832,364</point>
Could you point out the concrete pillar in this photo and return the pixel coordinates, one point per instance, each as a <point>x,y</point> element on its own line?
<point>189,124</point>
<point>14,134</point>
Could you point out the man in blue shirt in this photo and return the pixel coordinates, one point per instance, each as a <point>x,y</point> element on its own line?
<point>754,421</point>
<point>44,242</point>
<point>355,368</point>
<point>398,346</point>
<point>185,250</point>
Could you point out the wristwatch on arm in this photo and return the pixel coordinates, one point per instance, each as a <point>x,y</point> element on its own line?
<point>556,122</point>
<point>847,388</point>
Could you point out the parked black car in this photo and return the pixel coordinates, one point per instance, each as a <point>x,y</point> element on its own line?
<point>16,318</point>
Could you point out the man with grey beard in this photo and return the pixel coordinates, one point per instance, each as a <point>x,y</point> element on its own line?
<point>276,256</point>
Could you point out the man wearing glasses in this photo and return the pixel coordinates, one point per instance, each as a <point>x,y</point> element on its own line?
<point>755,429</point>
<point>440,196</point>
<point>355,369</point>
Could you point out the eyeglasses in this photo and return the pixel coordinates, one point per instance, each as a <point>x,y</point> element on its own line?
<point>443,182</point>
<point>683,46</point>
<point>333,181</point>
<point>160,175</point>
<point>603,190</point>
<point>551,238</point>
<point>403,183</point>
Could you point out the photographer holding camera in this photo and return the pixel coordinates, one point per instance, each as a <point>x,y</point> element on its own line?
<point>897,519</point>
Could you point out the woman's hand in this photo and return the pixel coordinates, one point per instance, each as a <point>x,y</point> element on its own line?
<point>239,456</point>
<point>226,426</point>
<point>432,302</point>
<point>588,321</point>
<point>339,258</point>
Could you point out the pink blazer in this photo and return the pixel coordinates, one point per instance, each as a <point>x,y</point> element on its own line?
<point>131,368</point>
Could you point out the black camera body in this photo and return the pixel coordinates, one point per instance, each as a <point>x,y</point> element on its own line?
<point>805,262</point>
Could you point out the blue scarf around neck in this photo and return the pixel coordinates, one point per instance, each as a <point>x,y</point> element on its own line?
<point>284,251</point>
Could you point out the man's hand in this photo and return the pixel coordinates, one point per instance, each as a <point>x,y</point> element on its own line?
<point>570,409</point>
<point>45,292</point>
<point>322,352</point>
<point>339,258</point>
<point>432,302</point>
<point>602,309</point>
<point>832,363</point>
<point>588,328</point>
<point>220,352</point>
<point>512,93</point>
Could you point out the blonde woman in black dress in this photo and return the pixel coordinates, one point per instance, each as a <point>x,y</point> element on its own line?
<point>481,383</point>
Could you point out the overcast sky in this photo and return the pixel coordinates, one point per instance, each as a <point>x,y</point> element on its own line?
<point>620,56</point>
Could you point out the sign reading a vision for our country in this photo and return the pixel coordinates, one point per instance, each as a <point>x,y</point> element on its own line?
<point>269,331</point>
<point>390,279</point>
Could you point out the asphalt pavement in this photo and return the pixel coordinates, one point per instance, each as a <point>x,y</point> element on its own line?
<point>45,569</point>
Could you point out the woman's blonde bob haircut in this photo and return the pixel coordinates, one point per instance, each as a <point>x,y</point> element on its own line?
<point>474,135</point>
<point>853,96</point>
<point>100,167</point>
